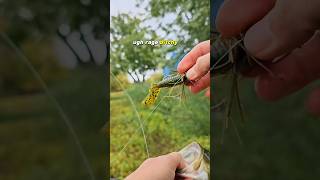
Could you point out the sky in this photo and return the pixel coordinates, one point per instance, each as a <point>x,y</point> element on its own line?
<point>123,6</point>
<point>128,6</point>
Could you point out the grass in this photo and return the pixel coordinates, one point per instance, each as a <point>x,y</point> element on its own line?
<point>35,143</point>
<point>280,140</point>
<point>172,126</point>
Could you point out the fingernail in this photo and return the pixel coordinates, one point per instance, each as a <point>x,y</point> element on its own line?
<point>180,66</point>
<point>191,74</point>
<point>258,40</point>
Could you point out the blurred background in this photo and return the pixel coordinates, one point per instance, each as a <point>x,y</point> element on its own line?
<point>53,89</point>
<point>279,140</point>
<point>171,123</point>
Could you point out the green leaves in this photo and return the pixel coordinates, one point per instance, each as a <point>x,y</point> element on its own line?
<point>191,17</point>
<point>127,57</point>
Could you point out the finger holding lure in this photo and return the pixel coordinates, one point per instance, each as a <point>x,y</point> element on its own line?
<point>194,71</point>
<point>196,66</point>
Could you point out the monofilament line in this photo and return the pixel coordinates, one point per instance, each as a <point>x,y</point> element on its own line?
<point>53,100</point>
<point>136,112</point>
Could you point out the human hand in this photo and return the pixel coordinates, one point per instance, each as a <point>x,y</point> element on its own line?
<point>275,28</point>
<point>196,66</point>
<point>158,168</point>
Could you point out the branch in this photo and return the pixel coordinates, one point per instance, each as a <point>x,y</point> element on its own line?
<point>87,46</point>
<point>137,76</point>
<point>130,74</point>
<point>64,39</point>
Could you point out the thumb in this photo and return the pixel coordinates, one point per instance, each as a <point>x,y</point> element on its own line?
<point>287,26</point>
<point>174,160</point>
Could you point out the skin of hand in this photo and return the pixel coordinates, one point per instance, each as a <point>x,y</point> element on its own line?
<point>196,66</point>
<point>284,29</point>
<point>158,168</point>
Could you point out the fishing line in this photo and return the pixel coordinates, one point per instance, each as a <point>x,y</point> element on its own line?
<point>136,112</point>
<point>65,118</point>
<point>143,121</point>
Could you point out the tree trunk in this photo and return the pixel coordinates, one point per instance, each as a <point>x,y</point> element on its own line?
<point>137,76</point>
<point>130,74</point>
<point>82,38</point>
<point>64,39</point>
<point>143,77</point>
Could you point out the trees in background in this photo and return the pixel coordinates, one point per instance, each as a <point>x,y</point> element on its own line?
<point>190,25</point>
<point>32,25</point>
<point>127,57</point>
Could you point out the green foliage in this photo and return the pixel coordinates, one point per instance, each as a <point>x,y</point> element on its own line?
<point>126,57</point>
<point>169,128</point>
<point>45,17</point>
<point>156,77</point>
<point>15,77</point>
<point>190,17</point>
<point>35,143</point>
<point>114,84</point>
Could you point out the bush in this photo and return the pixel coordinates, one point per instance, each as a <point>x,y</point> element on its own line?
<point>114,83</point>
<point>17,78</point>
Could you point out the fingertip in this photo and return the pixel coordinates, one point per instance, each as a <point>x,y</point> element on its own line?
<point>183,64</point>
<point>224,27</point>
<point>276,34</point>
<point>180,68</point>
<point>191,57</point>
<point>201,84</point>
<point>175,158</point>
<point>257,39</point>
<point>193,89</point>
<point>196,89</point>
<point>235,16</point>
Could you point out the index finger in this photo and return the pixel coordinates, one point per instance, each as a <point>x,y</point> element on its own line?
<point>190,59</point>
<point>235,16</point>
